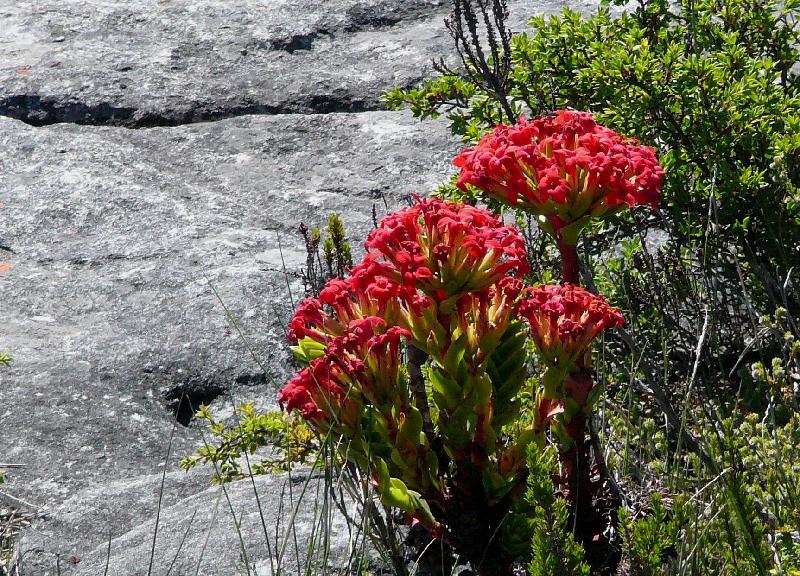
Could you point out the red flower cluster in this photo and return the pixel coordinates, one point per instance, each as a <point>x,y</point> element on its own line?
<point>363,294</point>
<point>565,319</point>
<point>445,249</point>
<point>361,365</point>
<point>417,259</point>
<point>563,166</point>
<point>313,393</point>
<point>440,248</point>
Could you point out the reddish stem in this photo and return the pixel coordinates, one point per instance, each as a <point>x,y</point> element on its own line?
<point>569,261</point>
<point>588,522</point>
<point>575,460</point>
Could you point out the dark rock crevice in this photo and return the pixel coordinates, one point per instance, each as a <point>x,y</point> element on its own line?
<point>82,260</point>
<point>293,43</point>
<point>363,17</point>
<point>185,399</point>
<point>36,110</point>
<point>371,16</point>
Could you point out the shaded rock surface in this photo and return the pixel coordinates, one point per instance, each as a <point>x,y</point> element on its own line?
<point>137,253</point>
<point>199,534</point>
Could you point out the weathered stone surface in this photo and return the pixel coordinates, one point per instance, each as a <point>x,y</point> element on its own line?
<point>148,63</point>
<point>117,237</point>
<point>168,62</point>
<point>199,532</point>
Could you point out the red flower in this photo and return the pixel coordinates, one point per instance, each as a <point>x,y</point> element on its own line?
<point>362,365</point>
<point>308,321</point>
<point>564,167</point>
<point>565,319</point>
<point>445,249</point>
<point>313,393</point>
<point>363,294</point>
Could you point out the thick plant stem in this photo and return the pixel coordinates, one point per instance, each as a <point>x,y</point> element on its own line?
<point>477,521</point>
<point>575,460</point>
<point>587,520</point>
<point>577,386</point>
<point>569,261</point>
<point>590,510</point>
<point>416,359</point>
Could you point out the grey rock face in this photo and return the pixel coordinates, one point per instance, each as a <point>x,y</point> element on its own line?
<point>138,254</point>
<point>147,63</point>
<point>199,534</point>
<point>119,239</point>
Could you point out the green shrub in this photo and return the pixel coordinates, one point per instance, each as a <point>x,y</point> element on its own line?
<point>335,258</point>
<point>710,84</point>
<point>542,520</point>
<point>650,541</point>
<point>290,441</point>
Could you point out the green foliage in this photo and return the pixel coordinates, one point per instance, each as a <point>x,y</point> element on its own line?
<point>710,83</point>
<point>336,248</point>
<point>762,460</point>
<point>507,369</point>
<point>452,93</point>
<point>233,443</point>
<point>777,375</point>
<point>649,541</point>
<point>745,519</point>
<point>328,258</point>
<point>540,521</point>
